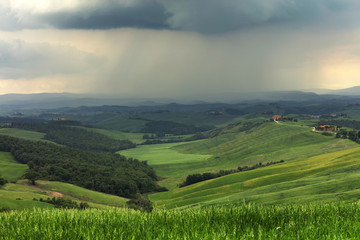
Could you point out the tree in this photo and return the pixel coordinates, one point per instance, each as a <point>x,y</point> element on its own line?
<point>140,203</point>
<point>2,181</point>
<point>32,176</point>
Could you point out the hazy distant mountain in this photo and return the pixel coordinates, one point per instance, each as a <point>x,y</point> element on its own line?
<point>57,100</point>
<point>353,91</point>
<point>14,102</point>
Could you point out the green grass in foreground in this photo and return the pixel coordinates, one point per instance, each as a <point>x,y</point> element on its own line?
<point>313,221</point>
<point>10,169</point>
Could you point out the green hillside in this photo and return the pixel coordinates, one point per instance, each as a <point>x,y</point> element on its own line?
<point>22,194</point>
<point>265,143</point>
<point>327,177</point>
<point>118,135</point>
<point>10,169</point>
<point>135,122</point>
<point>24,134</point>
<point>268,142</point>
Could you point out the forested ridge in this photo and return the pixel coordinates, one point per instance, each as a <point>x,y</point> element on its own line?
<point>100,171</point>
<point>64,133</point>
<point>168,127</point>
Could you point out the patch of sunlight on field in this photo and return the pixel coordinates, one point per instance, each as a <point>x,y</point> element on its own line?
<point>158,154</point>
<point>21,195</point>
<point>82,193</point>
<point>10,169</point>
<point>119,135</point>
<point>278,180</point>
<point>24,134</point>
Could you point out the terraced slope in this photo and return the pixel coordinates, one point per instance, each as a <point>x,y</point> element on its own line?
<point>327,177</point>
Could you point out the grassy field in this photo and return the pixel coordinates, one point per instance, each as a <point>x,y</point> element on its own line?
<point>311,221</point>
<point>10,169</point>
<point>24,134</point>
<point>131,122</point>
<point>21,195</point>
<point>118,135</point>
<point>268,142</point>
<point>327,177</point>
<point>165,159</point>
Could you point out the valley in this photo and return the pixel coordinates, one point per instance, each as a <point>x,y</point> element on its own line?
<point>247,160</point>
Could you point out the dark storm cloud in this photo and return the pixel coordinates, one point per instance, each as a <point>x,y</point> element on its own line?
<point>214,16</point>
<point>110,14</point>
<point>204,16</point>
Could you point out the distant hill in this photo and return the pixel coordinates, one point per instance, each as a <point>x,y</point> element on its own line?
<point>353,91</point>
<point>59,100</point>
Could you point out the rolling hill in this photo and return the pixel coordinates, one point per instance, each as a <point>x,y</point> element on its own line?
<point>22,195</point>
<point>10,169</point>
<point>232,148</point>
<point>327,177</point>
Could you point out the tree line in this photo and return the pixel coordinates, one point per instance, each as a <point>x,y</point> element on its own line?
<point>199,177</point>
<point>65,203</point>
<point>161,128</point>
<point>64,133</point>
<point>352,135</point>
<point>100,171</point>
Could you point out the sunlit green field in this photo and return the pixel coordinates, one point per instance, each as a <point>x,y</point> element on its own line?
<point>159,154</point>
<point>24,134</point>
<point>118,135</point>
<point>164,160</point>
<point>268,142</point>
<point>327,177</point>
<point>21,195</point>
<point>314,221</point>
<point>10,169</point>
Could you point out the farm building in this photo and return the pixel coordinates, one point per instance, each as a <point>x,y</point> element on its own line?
<point>276,117</point>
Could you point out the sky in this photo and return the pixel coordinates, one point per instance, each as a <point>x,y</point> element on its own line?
<point>173,48</point>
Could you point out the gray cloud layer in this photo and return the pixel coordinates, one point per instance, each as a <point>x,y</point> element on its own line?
<point>204,16</point>
<point>19,60</point>
<point>110,14</point>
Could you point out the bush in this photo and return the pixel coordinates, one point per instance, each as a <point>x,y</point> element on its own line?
<point>3,181</point>
<point>140,203</point>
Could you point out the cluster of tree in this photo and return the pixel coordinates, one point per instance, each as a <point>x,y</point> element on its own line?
<point>166,127</point>
<point>100,171</point>
<point>65,203</point>
<point>160,141</point>
<point>140,203</point>
<point>234,127</point>
<point>64,133</point>
<point>344,122</point>
<point>351,135</point>
<point>5,209</point>
<point>18,119</point>
<point>3,181</point>
<point>195,178</point>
